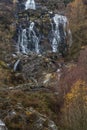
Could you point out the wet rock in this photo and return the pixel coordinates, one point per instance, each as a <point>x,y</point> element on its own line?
<point>2,125</point>
<point>17,66</point>
<point>41,30</point>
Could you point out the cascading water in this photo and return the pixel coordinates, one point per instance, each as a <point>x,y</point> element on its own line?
<point>30,4</point>
<point>28,40</point>
<point>2,125</point>
<point>33,38</point>
<point>16,64</point>
<point>24,43</point>
<point>59,26</point>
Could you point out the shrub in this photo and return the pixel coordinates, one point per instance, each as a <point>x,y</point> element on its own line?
<point>74,113</point>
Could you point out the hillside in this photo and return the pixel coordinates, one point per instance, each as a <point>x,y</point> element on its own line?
<point>43,87</point>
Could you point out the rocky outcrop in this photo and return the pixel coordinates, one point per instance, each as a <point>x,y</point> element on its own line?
<point>37,70</point>
<point>31,120</point>
<point>40,30</point>
<point>40,121</point>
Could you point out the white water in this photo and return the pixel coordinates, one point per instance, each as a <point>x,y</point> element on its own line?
<point>15,65</point>
<point>35,39</point>
<point>2,123</point>
<point>28,40</point>
<point>58,19</point>
<point>30,4</point>
<point>24,43</point>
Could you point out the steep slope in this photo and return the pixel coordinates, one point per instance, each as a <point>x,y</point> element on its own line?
<point>47,78</point>
<point>77,13</point>
<point>6,30</point>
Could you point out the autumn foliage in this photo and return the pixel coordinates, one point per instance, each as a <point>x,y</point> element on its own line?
<point>76,13</point>
<point>74,113</point>
<point>72,73</point>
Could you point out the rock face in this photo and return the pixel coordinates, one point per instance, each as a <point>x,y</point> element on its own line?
<point>37,70</point>
<point>40,30</point>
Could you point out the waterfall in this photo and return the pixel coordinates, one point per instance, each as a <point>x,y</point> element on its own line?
<point>59,31</point>
<point>2,125</point>
<point>56,36</point>
<point>30,4</point>
<point>15,65</point>
<point>24,43</point>
<point>33,38</point>
<point>34,34</point>
<point>28,39</point>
